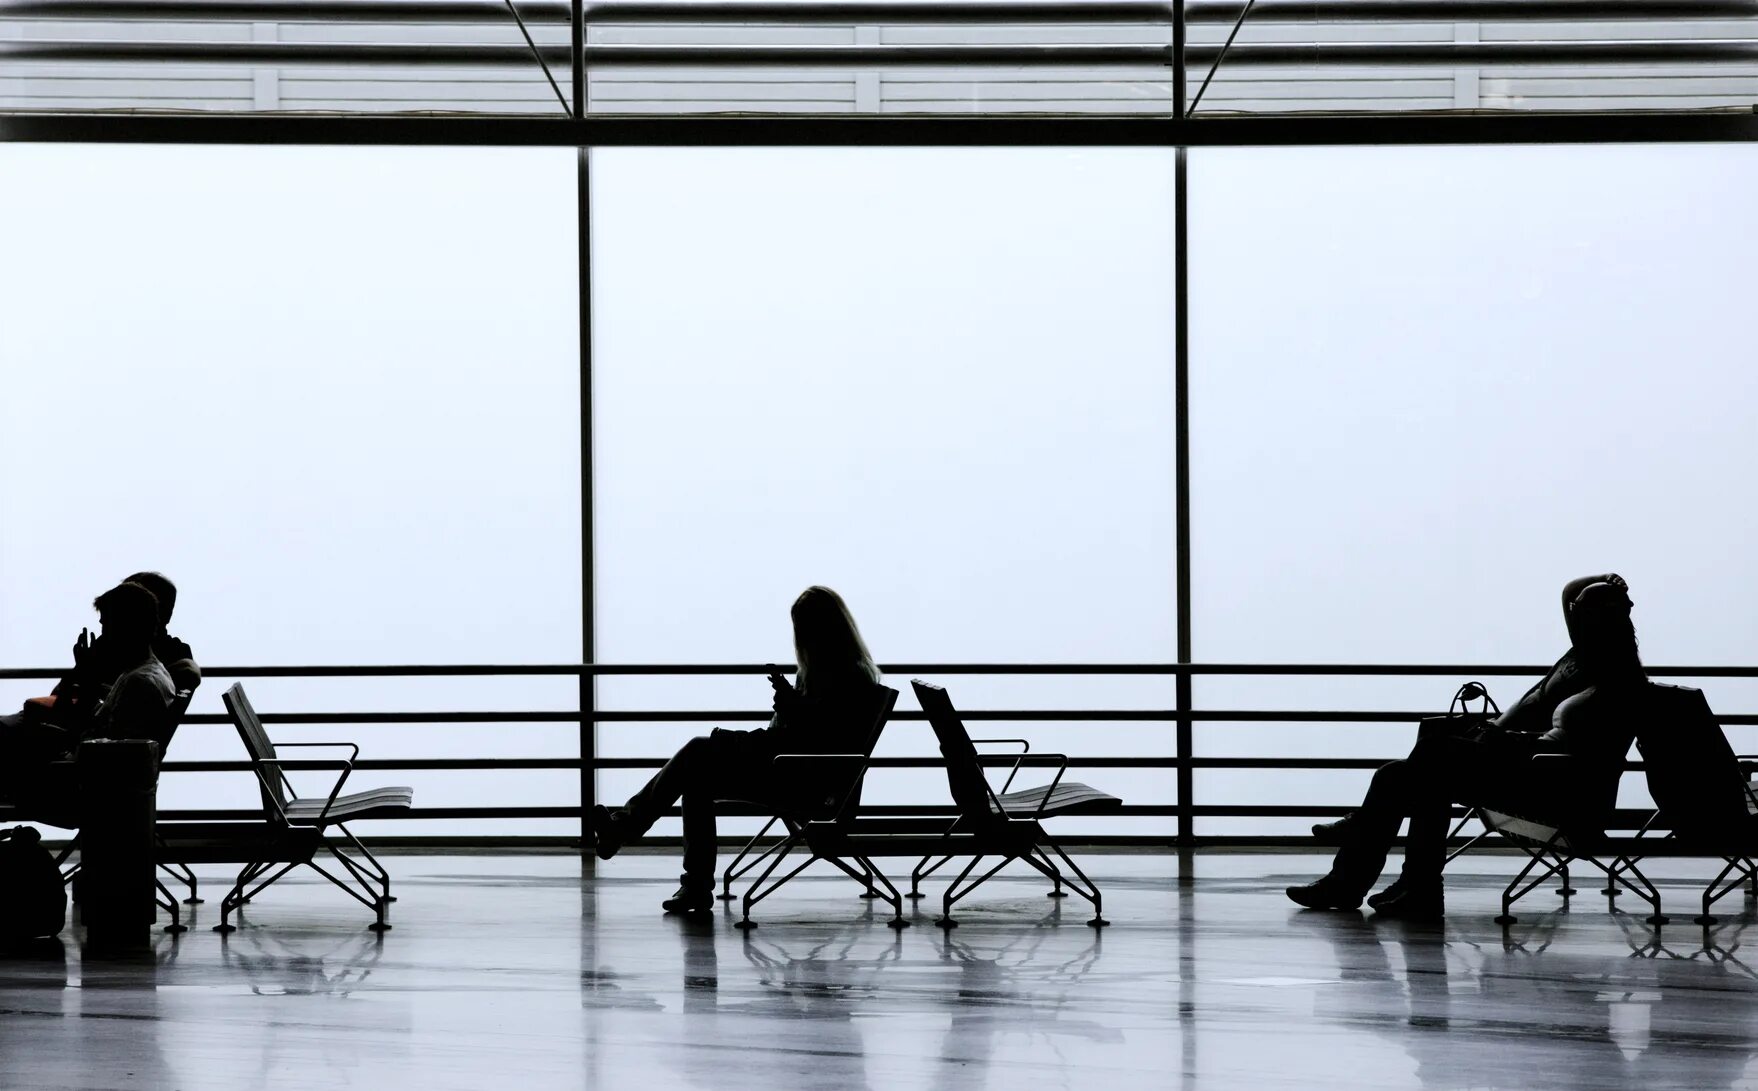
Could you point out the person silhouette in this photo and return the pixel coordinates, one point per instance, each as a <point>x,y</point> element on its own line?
<point>1586,705</point>
<point>94,668</point>
<point>175,654</point>
<point>820,713</point>
<point>136,701</point>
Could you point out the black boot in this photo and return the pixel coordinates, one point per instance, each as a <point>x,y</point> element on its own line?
<point>609,830</point>
<point>690,899</point>
<point>1331,892</point>
<point>1411,899</point>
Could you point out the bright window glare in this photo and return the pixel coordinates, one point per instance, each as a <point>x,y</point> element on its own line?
<point>939,381</point>
<point>1431,385</point>
<point>333,393</point>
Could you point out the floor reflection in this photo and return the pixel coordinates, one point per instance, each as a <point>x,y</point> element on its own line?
<point>1532,1012</point>
<point>277,965</point>
<point>70,1021</point>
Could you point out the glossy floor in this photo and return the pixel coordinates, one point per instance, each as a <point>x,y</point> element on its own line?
<point>533,972</point>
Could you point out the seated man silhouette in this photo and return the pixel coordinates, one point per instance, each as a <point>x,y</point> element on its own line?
<point>94,669</point>
<point>837,683</point>
<point>1586,706</point>
<point>135,703</point>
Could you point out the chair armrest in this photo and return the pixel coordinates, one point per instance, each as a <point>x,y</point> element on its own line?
<point>1061,761</point>
<point>1024,749</point>
<point>353,748</point>
<point>346,765</point>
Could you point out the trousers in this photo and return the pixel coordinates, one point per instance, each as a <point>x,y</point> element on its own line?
<point>720,765</point>
<point>1451,762</point>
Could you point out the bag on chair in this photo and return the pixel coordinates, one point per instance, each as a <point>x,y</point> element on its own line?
<point>33,904</point>
<point>1462,721</point>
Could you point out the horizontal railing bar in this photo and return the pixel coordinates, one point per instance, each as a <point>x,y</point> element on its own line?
<point>256,814</point>
<point>602,56</point>
<point>1030,715</point>
<point>398,764</point>
<point>1362,670</point>
<point>410,670</point>
<point>1621,819</point>
<point>947,810</point>
<point>1414,128</point>
<point>498,764</point>
<point>878,11</point>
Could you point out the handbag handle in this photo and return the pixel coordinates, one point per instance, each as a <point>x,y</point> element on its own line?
<point>1473,691</point>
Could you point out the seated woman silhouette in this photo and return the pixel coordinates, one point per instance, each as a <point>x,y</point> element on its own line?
<point>822,713</point>
<point>1587,706</point>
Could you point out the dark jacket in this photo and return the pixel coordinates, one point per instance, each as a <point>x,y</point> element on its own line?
<point>832,716</point>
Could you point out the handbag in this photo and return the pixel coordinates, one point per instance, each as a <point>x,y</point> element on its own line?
<point>35,905</point>
<point>1462,721</point>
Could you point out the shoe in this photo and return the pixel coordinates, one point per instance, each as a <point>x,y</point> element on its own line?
<point>607,831</point>
<point>687,900</point>
<point>1327,893</point>
<point>1341,832</point>
<point>1413,901</point>
<point>1391,893</point>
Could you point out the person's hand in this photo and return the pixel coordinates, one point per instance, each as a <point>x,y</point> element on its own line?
<point>785,694</point>
<point>82,649</point>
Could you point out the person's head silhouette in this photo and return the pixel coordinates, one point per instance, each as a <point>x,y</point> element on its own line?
<point>163,590</point>
<point>1597,612</point>
<point>129,616</point>
<point>826,639</point>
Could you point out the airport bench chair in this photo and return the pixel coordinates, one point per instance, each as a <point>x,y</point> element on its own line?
<point>982,828</point>
<point>1006,824</point>
<point>295,829</point>
<point>836,773</point>
<point>1554,839</point>
<point>821,790</point>
<point>1706,796</point>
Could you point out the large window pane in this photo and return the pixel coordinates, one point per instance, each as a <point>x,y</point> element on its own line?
<point>1431,385</point>
<point>334,394</point>
<point>938,381</point>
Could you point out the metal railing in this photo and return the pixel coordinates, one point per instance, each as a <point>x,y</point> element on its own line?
<point>1176,53</point>
<point>1185,810</point>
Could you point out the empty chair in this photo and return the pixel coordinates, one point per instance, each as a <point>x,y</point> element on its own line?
<point>295,829</point>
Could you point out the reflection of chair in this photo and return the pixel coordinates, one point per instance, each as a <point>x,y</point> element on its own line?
<point>288,971</point>
<point>885,700</point>
<point>294,829</point>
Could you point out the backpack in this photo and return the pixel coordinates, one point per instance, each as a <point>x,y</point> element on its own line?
<point>1693,775</point>
<point>35,905</point>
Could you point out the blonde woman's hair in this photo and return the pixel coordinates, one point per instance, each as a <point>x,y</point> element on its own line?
<point>826,639</point>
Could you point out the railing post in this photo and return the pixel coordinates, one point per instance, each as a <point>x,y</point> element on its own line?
<point>588,610</point>
<point>1181,470</point>
<point>1179,75</point>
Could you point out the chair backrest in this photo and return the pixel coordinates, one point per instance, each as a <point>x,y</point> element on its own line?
<point>257,745</point>
<point>884,700</point>
<point>1693,775</point>
<point>173,720</point>
<point>964,771</point>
